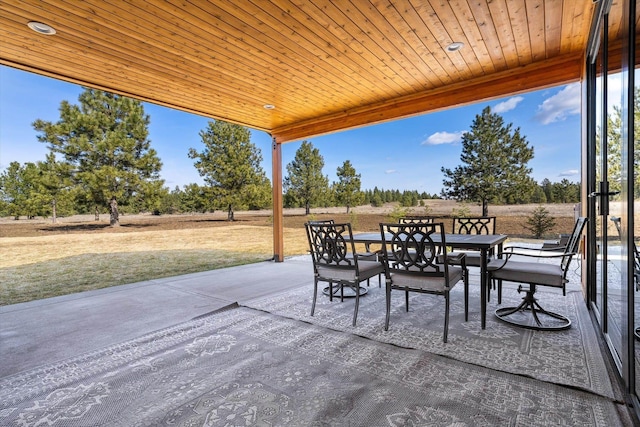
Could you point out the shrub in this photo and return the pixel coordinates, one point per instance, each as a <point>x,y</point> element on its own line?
<point>397,213</point>
<point>540,222</point>
<point>461,212</point>
<point>353,219</point>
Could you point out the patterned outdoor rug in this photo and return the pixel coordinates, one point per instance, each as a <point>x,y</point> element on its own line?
<point>571,357</point>
<point>244,367</point>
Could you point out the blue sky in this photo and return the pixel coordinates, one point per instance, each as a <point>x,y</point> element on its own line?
<point>404,154</point>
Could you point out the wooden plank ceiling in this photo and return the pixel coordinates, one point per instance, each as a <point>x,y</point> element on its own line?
<point>325,65</point>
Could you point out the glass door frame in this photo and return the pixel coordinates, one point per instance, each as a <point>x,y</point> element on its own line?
<point>625,360</point>
<point>628,148</point>
<point>599,42</point>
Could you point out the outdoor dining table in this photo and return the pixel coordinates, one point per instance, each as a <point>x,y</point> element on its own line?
<point>481,242</point>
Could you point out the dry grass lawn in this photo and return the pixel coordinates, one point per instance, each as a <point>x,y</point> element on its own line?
<point>39,259</point>
<point>249,239</point>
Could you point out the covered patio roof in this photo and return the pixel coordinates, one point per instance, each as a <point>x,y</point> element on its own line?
<point>323,65</point>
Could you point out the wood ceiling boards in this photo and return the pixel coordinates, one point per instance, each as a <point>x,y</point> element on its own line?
<point>324,65</point>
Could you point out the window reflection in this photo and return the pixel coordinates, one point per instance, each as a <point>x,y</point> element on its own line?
<point>612,172</point>
<point>636,222</point>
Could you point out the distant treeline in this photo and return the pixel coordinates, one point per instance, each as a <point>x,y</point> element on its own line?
<point>192,198</point>
<point>564,191</point>
<point>19,199</point>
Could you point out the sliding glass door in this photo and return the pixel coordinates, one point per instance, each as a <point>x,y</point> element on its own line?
<point>607,201</point>
<point>613,154</point>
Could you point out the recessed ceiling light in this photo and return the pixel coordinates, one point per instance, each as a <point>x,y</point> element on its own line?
<point>269,107</point>
<point>41,28</point>
<point>455,46</point>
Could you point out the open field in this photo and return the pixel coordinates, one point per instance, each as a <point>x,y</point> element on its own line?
<point>31,241</point>
<point>40,259</point>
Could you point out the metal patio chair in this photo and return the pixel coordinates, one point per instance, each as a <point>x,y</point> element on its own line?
<point>473,225</point>
<point>335,261</point>
<point>416,220</point>
<point>364,256</point>
<point>411,265</point>
<point>538,272</point>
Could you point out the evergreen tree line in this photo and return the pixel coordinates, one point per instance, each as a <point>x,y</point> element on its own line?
<point>378,197</point>
<point>564,191</point>
<point>25,190</point>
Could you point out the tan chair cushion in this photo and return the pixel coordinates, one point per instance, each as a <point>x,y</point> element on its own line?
<point>472,259</point>
<point>368,269</point>
<point>528,272</point>
<point>433,284</point>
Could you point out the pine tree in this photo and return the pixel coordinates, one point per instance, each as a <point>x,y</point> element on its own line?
<point>54,186</point>
<point>305,183</point>
<point>494,161</point>
<point>17,189</point>
<point>547,187</point>
<point>193,199</point>
<point>540,222</point>
<point>105,141</point>
<point>230,165</point>
<point>348,186</point>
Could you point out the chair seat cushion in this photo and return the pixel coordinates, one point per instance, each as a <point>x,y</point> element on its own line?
<point>538,273</point>
<point>426,283</point>
<point>367,256</point>
<point>367,269</point>
<point>472,259</point>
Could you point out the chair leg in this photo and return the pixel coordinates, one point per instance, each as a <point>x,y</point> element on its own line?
<point>355,310</point>
<point>466,298</point>
<point>388,294</point>
<point>530,305</point>
<point>499,291</point>
<point>446,316</point>
<point>331,291</point>
<point>315,295</point>
<point>406,300</point>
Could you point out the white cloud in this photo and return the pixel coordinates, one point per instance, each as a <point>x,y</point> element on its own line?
<point>560,106</point>
<point>570,172</point>
<point>508,105</point>
<point>389,171</point>
<point>614,92</point>
<point>443,138</point>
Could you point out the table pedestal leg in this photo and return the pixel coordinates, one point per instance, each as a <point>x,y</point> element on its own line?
<point>483,287</point>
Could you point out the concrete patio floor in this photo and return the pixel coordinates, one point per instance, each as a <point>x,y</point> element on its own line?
<point>53,329</point>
